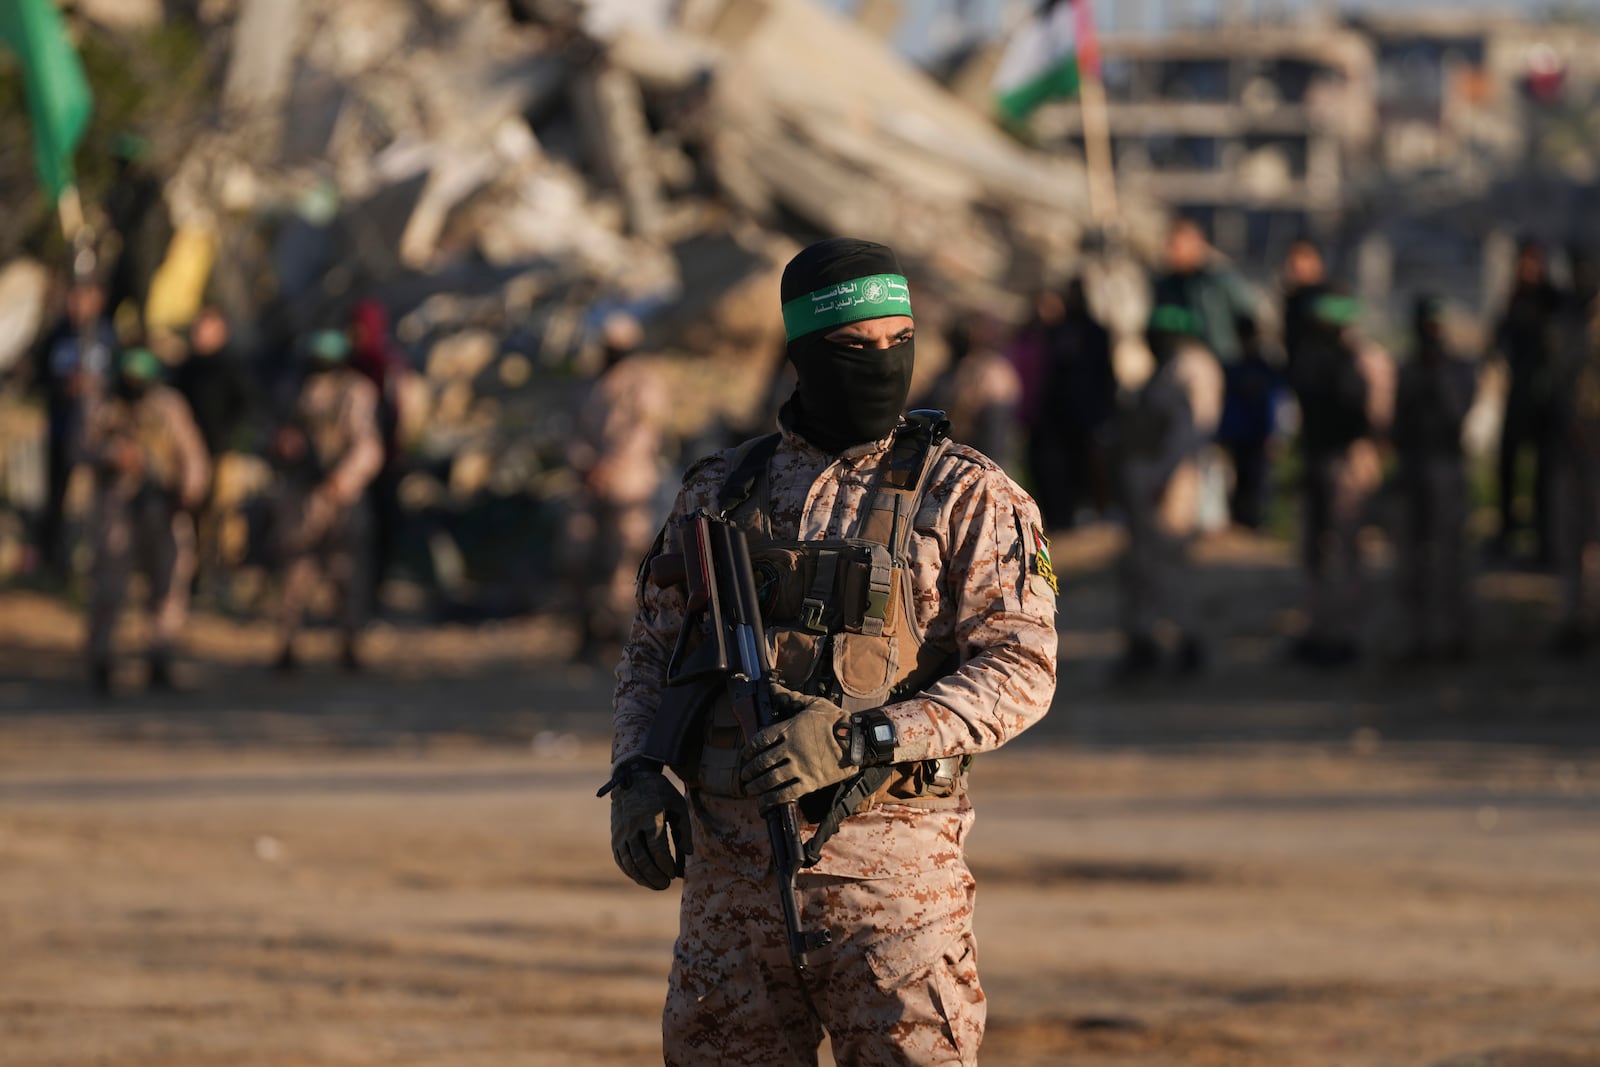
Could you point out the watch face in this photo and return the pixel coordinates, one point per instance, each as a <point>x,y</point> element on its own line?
<point>883,734</point>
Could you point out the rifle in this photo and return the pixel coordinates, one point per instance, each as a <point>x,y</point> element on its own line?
<point>723,609</point>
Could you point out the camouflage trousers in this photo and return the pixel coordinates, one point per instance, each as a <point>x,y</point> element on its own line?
<point>335,546</point>
<point>898,986</point>
<point>146,532</point>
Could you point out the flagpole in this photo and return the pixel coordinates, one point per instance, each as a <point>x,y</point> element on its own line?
<point>69,206</point>
<point>1102,180</point>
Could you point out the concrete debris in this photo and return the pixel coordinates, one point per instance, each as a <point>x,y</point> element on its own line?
<point>24,286</point>
<point>501,176</point>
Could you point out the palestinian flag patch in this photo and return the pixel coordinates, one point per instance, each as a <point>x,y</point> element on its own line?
<point>1041,558</point>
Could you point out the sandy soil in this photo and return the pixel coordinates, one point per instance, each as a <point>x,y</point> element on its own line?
<point>1261,867</point>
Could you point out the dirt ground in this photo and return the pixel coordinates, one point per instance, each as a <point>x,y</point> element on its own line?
<point>1264,866</point>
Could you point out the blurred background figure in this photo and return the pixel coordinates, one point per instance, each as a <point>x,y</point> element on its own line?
<point>1304,281</point>
<point>1077,399</point>
<point>616,453</point>
<point>71,362</point>
<point>327,454</point>
<point>1160,437</point>
<point>136,209</point>
<point>1030,353</point>
<point>216,384</point>
<point>1345,391</point>
<point>1526,337</point>
<point>1197,280</point>
<point>1249,422</point>
<point>979,390</point>
<point>1576,485</point>
<point>373,354</point>
<point>151,474</point>
<point>1435,392</point>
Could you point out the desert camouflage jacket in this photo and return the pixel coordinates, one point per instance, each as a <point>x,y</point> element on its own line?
<point>984,591</point>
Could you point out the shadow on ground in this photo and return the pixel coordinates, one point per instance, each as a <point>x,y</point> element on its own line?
<point>516,680</point>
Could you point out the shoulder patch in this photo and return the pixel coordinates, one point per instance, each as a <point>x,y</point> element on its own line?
<point>1041,564</point>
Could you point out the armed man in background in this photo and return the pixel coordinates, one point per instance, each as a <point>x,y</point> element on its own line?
<point>1435,392</point>
<point>151,472</point>
<point>1160,438</point>
<point>617,452</point>
<point>909,603</point>
<point>327,454</point>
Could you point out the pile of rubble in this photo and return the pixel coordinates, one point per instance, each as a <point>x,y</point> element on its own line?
<point>503,175</point>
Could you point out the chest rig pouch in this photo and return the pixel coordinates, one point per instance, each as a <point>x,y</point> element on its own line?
<point>838,614</point>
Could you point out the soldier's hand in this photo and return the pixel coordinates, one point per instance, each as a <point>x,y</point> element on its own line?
<point>797,755</point>
<point>648,818</point>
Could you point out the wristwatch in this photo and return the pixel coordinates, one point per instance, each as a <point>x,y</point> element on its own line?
<point>872,738</point>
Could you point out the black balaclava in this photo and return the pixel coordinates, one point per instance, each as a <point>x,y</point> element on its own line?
<point>844,396</point>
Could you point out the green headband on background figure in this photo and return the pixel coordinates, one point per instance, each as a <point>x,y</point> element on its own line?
<point>1336,310</point>
<point>139,364</point>
<point>1172,318</point>
<point>873,297</point>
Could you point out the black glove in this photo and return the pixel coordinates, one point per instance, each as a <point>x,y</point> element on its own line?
<point>645,807</point>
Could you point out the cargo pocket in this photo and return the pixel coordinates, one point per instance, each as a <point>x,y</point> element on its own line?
<point>864,667</point>
<point>959,998</point>
<point>795,654</point>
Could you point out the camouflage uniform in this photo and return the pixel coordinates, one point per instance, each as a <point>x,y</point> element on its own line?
<point>323,520</point>
<point>620,434</point>
<point>139,514</point>
<point>899,984</point>
<point>1159,478</point>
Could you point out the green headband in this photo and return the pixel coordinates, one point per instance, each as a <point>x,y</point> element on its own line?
<point>330,346</point>
<point>1336,310</point>
<point>1170,318</point>
<point>140,364</point>
<point>872,297</point>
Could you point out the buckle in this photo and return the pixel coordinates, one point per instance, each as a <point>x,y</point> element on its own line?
<point>811,611</point>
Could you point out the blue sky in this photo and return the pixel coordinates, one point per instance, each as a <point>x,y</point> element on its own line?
<point>929,20</point>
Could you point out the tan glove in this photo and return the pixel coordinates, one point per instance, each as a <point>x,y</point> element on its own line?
<point>643,812</point>
<point>799,754</point>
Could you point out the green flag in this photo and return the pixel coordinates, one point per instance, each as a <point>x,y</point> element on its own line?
<point>58,93</point>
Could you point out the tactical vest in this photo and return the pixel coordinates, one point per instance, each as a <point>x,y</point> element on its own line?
<point>839,614</point>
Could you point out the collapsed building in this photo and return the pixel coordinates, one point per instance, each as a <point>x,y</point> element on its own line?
<point>501,176</point>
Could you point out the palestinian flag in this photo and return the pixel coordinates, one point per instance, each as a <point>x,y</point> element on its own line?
<point>1046,58</point>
